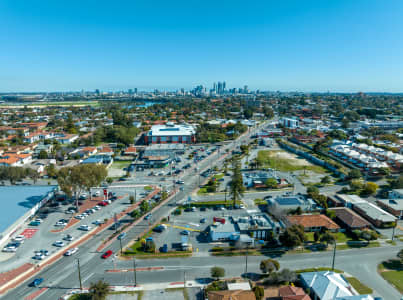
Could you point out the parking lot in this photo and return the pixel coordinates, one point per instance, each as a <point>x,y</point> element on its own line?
<point>45,234</point>
<point>194,223</point>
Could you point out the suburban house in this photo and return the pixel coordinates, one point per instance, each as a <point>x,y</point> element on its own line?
<point>65,138</point>
<point>231,295</point>
<point>15,160</point>
<point>350,220</point>
<point>327,285</point>
<point>313,222</point>
<point>289,292</point>
<point>130,151</point>
<point>377,216</point>
<point>105,150</point>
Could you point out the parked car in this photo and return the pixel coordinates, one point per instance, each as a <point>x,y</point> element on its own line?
<point>44,252</point>
<point>19,238</point>
<point>147,217</point>
<point>58,244</point>
<point>98,222</point>
<point>36,282</point>
<point>84,228</point>
<point>38,256</point>
<point>68,238</point>
<point>59,223</point>
<point>83,196</point>
<point>79,217</point>
<point>203,220</point>
<point>71,251</point>
<point>107,254</point>
<point>185,232</point>
<point>35,223</point>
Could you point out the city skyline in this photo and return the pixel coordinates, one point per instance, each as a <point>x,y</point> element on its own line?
<point>313,46</point>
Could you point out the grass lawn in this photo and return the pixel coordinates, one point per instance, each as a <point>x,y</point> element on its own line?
<point>148,188</point>
<point>339,236</point>
<point>121,164</point>
<point>359,286</point>
<point>317,270</point>
<point>202,190</point>
<point>392,271</point>
<point>271,160</point>
<point>395,278</point>
<point>364,245</point>
<point>260,201</point>
<point>218,176</point>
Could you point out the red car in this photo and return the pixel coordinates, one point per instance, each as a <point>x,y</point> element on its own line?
<point>102,203</point>
<point>107,254</point>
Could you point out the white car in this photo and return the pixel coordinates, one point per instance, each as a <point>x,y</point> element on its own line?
<point>39,256</point>
<point>97,222</point>
<point>79,217</point>
<point>38,220</point>
<point>19,238</point>
<point>71,251</point>
<point>96,207</point>
<point>96,194</point>
<point>58,244</point>
<point>84,214</point>
<point>84,227</point>
<point>59,223</point>
<point>9,249</point>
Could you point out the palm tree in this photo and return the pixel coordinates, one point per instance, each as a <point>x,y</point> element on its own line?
<point>99,290</point>
<point>236,186</point>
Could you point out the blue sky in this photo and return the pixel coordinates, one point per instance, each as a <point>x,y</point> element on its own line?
<point>335,45</point>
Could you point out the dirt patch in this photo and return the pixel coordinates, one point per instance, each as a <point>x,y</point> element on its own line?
<point>290,156</point>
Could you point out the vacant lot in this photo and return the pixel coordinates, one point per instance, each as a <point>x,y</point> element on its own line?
<point>286,162</point>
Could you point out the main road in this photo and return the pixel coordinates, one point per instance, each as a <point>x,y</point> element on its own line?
<point>62,274</point>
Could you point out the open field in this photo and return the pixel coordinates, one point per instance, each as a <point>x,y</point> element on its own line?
<point>286,162</point>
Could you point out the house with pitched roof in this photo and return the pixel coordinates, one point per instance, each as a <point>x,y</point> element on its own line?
<point>313,222</point>
<point>349,219</point>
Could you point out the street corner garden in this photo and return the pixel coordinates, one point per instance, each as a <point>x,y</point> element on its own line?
<point>392,271</point>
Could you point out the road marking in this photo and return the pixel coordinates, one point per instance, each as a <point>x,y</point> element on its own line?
<point>181,227</point>
<point>36,294</point>
<point>29,232</point>
<point>88,277</point>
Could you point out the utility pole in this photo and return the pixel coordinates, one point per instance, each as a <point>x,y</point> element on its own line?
<point>184,279</point>
<point>120,241</point>
<point>134,271</point>
<point>135,195</point>
<point>246,261</point>
<point>393,231</point>
<point>79,274</point>
<point>334,255</point>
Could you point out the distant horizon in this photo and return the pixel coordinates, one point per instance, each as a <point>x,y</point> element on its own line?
<point>171,90</point>
<point>338,46</point>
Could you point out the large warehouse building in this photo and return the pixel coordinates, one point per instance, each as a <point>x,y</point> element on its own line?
<point>170,134</point>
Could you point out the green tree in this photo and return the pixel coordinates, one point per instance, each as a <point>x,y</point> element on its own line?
<point>43,154</point>
<point>99,290</point>
<point>109,180</point>
<point>326,180</point>
<point>370,188</point>
<point>269,265</point>
<point>51,170</point>
<point>271,183</point>
<point>236,185</point>
<point>354,174</point>
<point>144,206</point>
<point>293,236</point>
<point>259,292</point>
<point>327,238</point>
<point>316,236</point>
<point>217,272</point>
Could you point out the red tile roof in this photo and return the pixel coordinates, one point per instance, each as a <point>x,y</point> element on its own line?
<point>309,221</point>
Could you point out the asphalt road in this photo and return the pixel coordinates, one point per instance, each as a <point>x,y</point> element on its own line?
<point>62,275</point>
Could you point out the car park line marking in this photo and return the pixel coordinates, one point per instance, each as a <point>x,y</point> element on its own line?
<point>184,228</point>
<point>36,294</point>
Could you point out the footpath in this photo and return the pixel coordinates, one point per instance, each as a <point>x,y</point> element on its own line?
<point>15,277</point>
